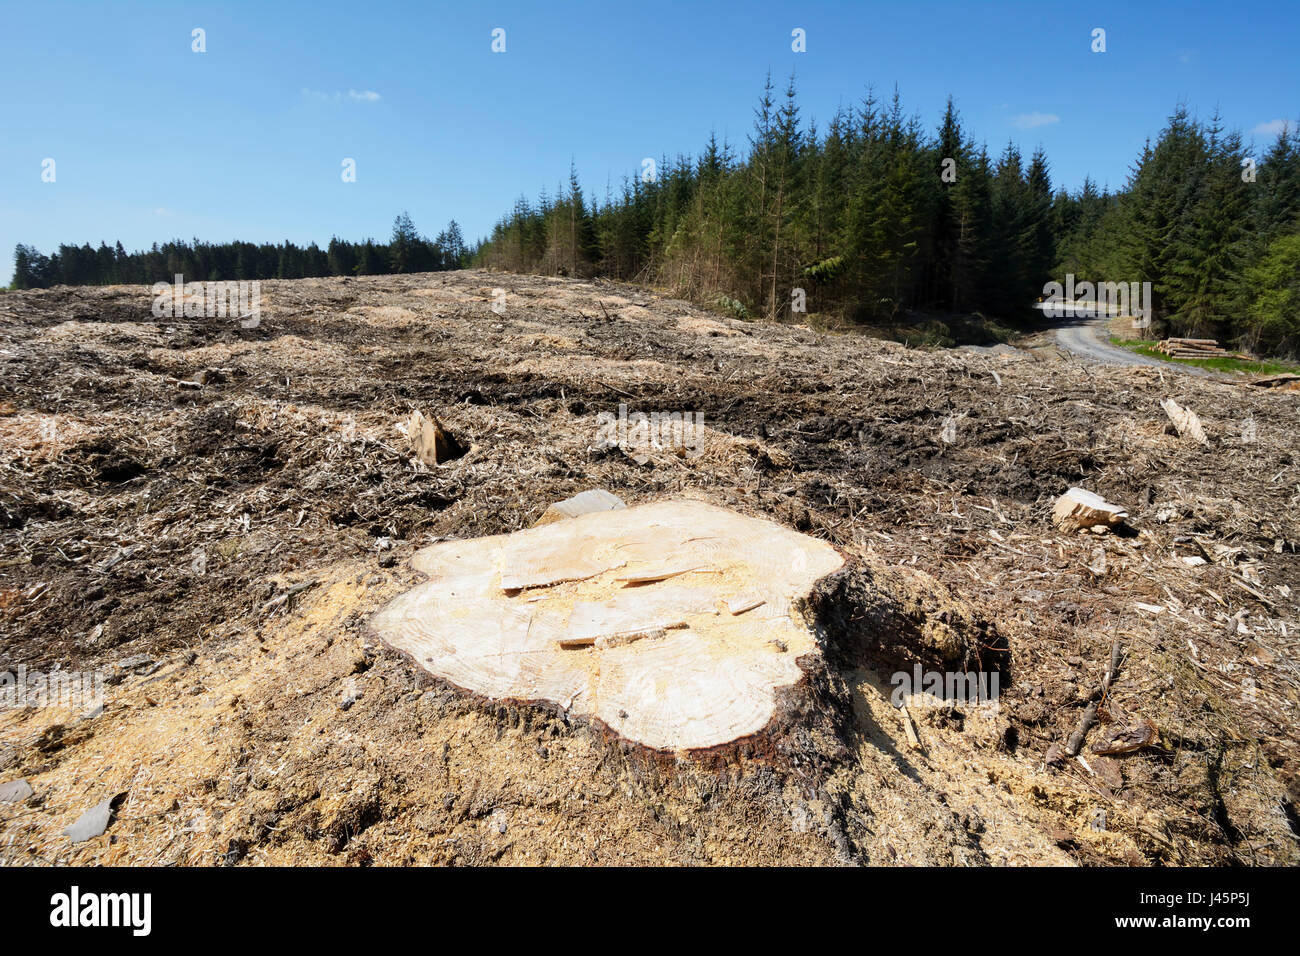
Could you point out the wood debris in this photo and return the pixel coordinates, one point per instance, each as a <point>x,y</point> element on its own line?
<point>586,502</point>
<point>909,728</point>
<point>1089,716</point>
<point>1186,422</point>
<point>1126,739</point>
<point>1079,510</point>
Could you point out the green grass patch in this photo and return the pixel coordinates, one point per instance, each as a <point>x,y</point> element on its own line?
<point>1261,367</point>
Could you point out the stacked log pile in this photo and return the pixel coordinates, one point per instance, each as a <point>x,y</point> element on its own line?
<point>1196,349</point>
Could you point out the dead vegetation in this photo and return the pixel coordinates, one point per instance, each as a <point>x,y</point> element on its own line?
<point>217,552</point>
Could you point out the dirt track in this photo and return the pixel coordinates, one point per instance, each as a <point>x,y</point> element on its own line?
<point>147,529</point>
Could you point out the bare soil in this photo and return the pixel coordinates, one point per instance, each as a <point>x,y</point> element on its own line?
<point>216,552</point>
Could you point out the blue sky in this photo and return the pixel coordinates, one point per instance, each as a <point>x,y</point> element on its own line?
<point>152,141</point>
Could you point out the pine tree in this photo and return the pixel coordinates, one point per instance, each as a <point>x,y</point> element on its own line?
<point>403,250</point>
<point>455,247</point>
<point>944,214</point>
<point>1277,189</point>
<point>1274,313</point>
<point>23,272</point>
<point>973,210</point>
<point>1207,251</point>
<point>1163,188</point>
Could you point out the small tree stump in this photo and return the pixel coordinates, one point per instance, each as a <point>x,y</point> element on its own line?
<point>1078,509</point>
<point>432,443</point>
<point>1186,422</point>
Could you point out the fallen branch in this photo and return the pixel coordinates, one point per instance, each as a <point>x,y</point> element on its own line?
<point>280,599</point>
<point>1075,743</point>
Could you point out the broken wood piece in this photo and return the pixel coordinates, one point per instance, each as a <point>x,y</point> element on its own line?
<point>1186,422</point>
<point>432,443</point>
<point>1078,509</point>
<point>1075,743</point>
<point>1089,717</point>
<point>660,573</point>
<point>1116,655</point>
<point>1277,381</point>
<point>909,727</point>
<point>15,791</point>
<point>279,599</point>
<point>618,640</point>
<point>587,502</point>
<point>94,821</point>
<point>1123,740</point>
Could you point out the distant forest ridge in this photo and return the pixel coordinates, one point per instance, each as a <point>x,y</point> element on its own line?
<point>406,251</point>
<point>870,216</point>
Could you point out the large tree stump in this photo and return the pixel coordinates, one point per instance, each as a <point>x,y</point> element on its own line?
<point>673,623</point>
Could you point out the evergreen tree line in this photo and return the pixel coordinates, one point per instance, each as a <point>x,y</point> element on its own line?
<point>1217,236</point>
<point>869,217</point>
<point>406,251</point>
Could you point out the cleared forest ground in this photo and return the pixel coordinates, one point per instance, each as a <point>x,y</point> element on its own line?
<point>157,531</point>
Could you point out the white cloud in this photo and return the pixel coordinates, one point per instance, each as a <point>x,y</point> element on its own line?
<point>162,211</point>
<point>355,96</point>
<point>1030,120</point>
<point>1271,128</point>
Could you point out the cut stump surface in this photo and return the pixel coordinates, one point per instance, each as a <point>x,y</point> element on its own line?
<point>625,615</point>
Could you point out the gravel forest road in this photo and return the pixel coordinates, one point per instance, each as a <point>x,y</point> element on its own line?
<point>1087,338</point>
